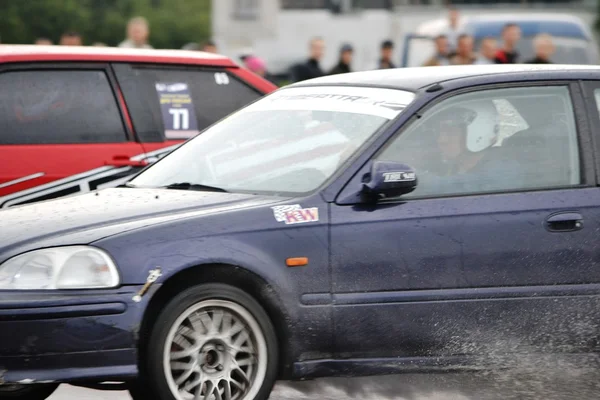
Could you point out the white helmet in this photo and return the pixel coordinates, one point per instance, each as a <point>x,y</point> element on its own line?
<point>480,120</point>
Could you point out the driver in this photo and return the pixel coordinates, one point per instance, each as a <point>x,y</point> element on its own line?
<point>468,162</point>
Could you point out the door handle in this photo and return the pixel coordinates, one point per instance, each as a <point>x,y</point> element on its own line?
<point>123,160</point>
<point>564,222</point>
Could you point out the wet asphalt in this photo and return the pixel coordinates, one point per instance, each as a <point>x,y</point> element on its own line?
<point>561,384</point>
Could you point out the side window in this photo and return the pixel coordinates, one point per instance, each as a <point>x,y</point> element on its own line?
<point>190,100</point>
<point>59,107</point>
<point>492,141</point>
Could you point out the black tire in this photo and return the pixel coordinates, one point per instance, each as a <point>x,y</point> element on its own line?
<point>27,392</point>
<point>156,383</point>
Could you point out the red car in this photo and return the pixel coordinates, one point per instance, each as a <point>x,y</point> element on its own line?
<point>75,119</point>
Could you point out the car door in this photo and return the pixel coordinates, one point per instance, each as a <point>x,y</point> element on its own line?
<point>495,260</point>
<point>62,132</point>
<point>169,104</point>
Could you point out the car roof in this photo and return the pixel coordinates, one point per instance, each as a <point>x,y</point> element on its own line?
<point>413,79</point>
<point>531,24</point>
<point>33,53</point>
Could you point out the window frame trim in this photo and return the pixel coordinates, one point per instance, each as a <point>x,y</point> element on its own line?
<point>202,68</point>
<point>588,172</point>
<point>592,111</point>
<point>129,136</point>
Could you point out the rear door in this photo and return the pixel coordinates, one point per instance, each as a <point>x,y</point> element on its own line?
<point>62,132</point>
<point>169,104</point>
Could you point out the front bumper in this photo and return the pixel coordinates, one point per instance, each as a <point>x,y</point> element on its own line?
<point>65,336</point>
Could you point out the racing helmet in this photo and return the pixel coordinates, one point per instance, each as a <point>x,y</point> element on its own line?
<point>477,120</point>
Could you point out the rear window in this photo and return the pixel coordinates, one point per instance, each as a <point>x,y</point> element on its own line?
<point>58,107</point>
<point>189,100</point>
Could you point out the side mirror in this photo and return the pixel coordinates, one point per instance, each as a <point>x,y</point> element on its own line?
<point>389,179</point>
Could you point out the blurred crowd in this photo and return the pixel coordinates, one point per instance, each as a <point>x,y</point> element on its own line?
<point>456,48</point>
<point>452,47</point>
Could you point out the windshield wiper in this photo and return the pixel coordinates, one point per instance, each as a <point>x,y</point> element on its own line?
<point>194,186</point>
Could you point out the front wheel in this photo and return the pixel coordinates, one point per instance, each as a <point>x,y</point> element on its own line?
<point>212,341</point>
<point>26,392</point>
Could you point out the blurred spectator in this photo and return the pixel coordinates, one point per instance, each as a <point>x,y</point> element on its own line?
<point>99,44</point>
<point>511,34</point>
<point>43,41</point>
<point>452,32</point>
<point>343,65</point>
<point>464,51</point>
<point>138,32</point>
<point>311,68</point>
<point>387,51</point>
<point>71,39</point>
<point>544,49</point>
<point>442,52</point>
<point>209,46</point>
<point>487,51</point>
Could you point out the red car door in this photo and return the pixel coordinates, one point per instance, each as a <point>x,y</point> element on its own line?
<point>62,132</point>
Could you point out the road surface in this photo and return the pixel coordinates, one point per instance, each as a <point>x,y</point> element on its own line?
<point>562,384</point>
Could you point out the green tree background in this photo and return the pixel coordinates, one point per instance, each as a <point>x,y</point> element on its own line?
<point>173,23</point>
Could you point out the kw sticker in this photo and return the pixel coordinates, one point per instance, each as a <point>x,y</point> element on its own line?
<point>295,214</point>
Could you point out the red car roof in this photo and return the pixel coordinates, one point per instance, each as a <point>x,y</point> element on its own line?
<point>25,53</point>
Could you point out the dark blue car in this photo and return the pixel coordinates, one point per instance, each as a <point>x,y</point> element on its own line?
<point>358,224</point>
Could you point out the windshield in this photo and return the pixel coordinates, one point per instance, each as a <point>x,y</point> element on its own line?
<point>289,142</point>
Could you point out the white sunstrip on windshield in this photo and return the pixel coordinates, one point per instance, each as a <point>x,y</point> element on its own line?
<point>385,103</point>
<point>322,144</point>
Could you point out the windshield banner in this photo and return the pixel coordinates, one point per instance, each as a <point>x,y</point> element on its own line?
<point>179,117</point>
<point>386,103</point>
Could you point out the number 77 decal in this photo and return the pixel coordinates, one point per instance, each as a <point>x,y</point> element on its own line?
<point>181,118</point>
<point>177,108</point>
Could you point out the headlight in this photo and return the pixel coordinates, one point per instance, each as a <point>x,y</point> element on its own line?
<point>73,267</point>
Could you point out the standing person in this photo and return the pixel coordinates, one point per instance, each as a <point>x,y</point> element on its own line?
<point>138,32</point>
<point>544,49</point>
<point>464,51</point>
<point>453,32</point>
<point>511,34</point>
<point>311,68</point>
<point>487,51</point>
<point>387,52</point>
<point>209,46</point>
<point>442,52</point>
<point>71,39</point>
<point>43,42</point>
<point>343,65</point>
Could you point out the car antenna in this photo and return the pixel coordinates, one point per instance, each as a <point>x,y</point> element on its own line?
<point>434,88</point>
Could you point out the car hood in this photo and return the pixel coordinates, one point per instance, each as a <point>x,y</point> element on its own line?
<point>87,218</point>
